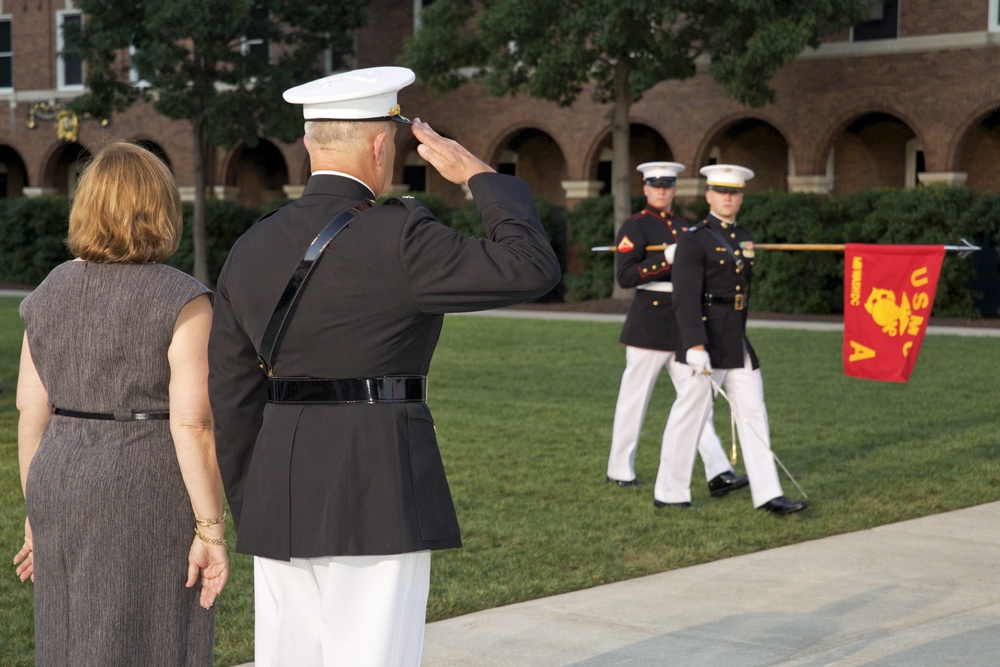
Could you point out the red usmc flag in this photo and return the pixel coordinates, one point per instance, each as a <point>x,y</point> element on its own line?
<point>888,296</point>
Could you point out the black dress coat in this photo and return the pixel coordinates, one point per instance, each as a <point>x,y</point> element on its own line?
<point>650,322</point>
<point>311,481</point>
<point>704,266</point>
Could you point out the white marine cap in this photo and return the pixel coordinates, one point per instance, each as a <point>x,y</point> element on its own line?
<point>726,177</point>
<point>361,94</point>
<point>660,174</point>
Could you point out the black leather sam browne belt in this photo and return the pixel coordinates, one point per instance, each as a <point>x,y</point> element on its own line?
<point>384,389</point>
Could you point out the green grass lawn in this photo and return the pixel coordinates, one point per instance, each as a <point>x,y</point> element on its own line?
<point>523,410</point>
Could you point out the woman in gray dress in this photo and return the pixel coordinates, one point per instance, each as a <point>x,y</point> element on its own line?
<point>115,435</point>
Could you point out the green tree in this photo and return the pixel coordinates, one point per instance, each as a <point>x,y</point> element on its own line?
<point>554,49</point>
<point>220,65</point>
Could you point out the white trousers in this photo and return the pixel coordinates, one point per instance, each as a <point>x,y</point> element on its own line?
<point>688,417</point>
<point>355,611</point>
<point>642,368</point>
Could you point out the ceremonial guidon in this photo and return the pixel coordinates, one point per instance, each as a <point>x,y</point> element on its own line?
<point>318,362</point>
<point>713,267</point>
<point>650,331</point>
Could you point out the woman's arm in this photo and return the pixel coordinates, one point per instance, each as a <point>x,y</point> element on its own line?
<point>33,406</point>
<point>191,426</point>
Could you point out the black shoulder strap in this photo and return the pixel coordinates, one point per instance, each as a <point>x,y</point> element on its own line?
<point>275,330</point>
<point>725,244</point>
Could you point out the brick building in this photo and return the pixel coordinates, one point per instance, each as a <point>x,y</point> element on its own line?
<point>908,97</point>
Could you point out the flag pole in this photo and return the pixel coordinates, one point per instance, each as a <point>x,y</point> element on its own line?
<point>963,249</point>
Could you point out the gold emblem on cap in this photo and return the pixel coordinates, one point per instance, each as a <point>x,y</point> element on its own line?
<point>394,111</point>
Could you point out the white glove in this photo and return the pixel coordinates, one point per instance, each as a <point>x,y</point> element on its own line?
<point>699,361</point>
<point>669,252</point>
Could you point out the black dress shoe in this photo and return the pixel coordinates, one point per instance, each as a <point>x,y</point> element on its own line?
<point>659,503</point>
<point>782,505</point>
<point>631,482</point>
<point>722,484</point>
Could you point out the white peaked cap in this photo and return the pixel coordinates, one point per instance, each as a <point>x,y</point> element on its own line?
<point>727,175</point>
<point>660,169</point>
<point>361,94</point>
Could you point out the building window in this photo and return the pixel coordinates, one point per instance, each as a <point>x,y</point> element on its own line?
<point>133,73</point>
<point>914,162</point>
<point>70,70</point>
<point>882,22</point>
<point>418,6</point>
<point>994,18</point>
<point>256,44</point>
<point>6,55</point>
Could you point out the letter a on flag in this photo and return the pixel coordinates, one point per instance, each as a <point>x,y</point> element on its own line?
<point>888,296</point>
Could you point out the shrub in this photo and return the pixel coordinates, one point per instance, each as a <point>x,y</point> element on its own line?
<point>34,238</point>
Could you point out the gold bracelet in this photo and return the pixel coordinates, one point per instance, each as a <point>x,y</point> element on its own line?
<point>210,522</point>
<point>218,541</point>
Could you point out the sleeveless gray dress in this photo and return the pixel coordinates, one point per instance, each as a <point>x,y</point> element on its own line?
<point>111,518</point>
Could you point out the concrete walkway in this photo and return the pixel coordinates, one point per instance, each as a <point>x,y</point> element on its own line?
<point>918,593</point>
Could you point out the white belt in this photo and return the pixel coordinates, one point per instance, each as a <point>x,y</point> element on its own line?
<point>657,287</point>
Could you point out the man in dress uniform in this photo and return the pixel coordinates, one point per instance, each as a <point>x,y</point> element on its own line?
<point>318,364</point>
<point>712,269</point>
<point>650,331</point>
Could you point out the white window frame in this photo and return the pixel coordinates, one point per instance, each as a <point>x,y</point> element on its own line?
<point>60,45</point>
<point>9,18</point>
<point>993,20</point>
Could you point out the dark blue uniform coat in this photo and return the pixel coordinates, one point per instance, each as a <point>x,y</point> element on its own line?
<point>703,265</point>
<point>311,481</point>
<point>650,321</point>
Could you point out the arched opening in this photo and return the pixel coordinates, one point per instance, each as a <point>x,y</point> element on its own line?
<point>757,145</point>
<point>980,153</point>
<point>534,156</point>
<point>645,145</point>
<point>64,167</point>
<point>875,150</point>
<point>257,174</point>
<point>13,173</point>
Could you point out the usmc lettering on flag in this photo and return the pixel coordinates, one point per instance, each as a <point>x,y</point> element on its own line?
<point>888,296</point>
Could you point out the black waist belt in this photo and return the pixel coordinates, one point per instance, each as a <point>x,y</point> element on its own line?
<point>737,301</point>
<point>386,389</point>
<point>109,416</point>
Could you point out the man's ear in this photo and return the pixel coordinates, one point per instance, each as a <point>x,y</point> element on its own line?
<point>378,148</point>
<point>305,142</point>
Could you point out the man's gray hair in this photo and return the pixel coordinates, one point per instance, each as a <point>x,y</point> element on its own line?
<point>343,136</point>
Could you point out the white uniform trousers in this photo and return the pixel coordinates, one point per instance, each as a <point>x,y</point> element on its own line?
<point>642,368</point>
<point>688,418</point>
<point>354,611</point>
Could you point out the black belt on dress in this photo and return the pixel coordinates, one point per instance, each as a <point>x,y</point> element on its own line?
<point>385,389</point>
<point>109,416</point>
<point>737,301</point>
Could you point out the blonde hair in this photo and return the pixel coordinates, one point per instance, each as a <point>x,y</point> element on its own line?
<point>126,208</point>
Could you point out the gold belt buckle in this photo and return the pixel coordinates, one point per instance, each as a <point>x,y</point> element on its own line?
<point>739,302</point>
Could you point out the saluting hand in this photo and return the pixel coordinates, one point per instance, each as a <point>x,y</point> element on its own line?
<point>450,158</point>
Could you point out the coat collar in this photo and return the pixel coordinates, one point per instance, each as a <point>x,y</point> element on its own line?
<point>332,184</point>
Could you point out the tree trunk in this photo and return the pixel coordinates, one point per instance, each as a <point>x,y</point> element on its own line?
<point>198,221</point>
<point>621,161</point>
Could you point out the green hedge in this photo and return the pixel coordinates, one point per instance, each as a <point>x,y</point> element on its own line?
<point>812,282</point>
<point>32,233</point>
